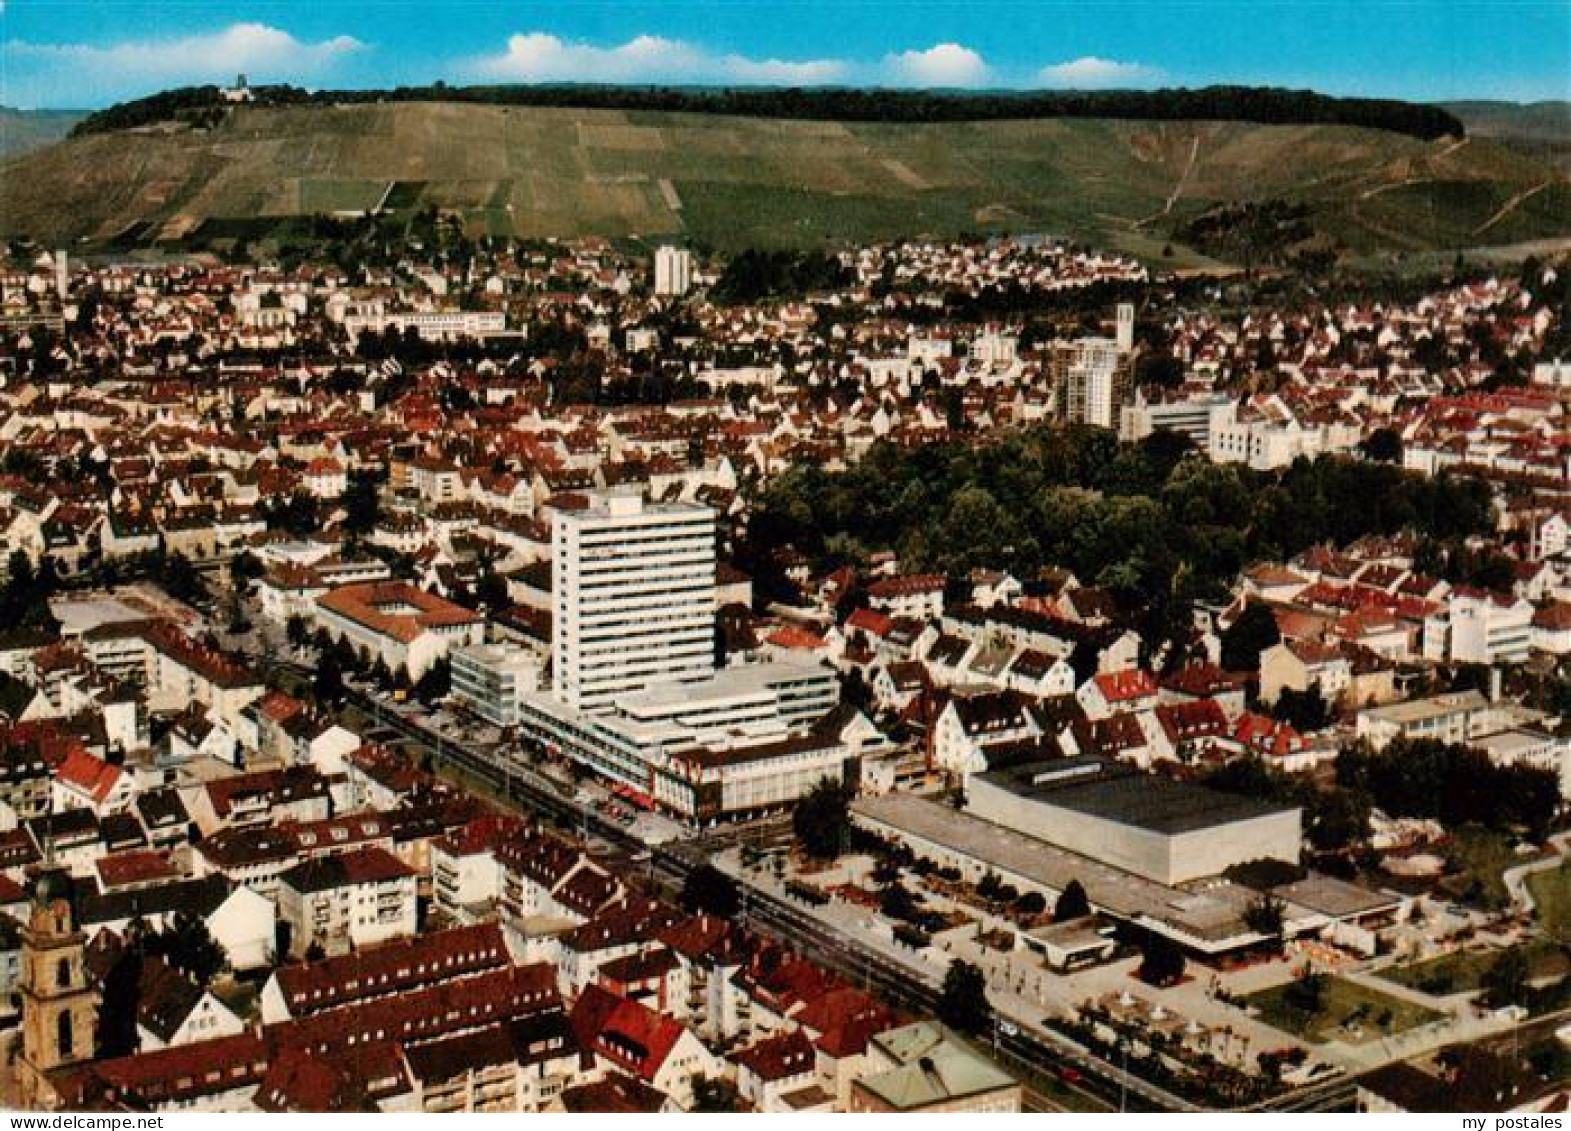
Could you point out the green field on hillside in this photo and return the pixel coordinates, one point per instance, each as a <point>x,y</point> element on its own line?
<point>733,182</point>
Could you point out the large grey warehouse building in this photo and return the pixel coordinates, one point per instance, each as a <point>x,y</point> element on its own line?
<point>1164,830</point>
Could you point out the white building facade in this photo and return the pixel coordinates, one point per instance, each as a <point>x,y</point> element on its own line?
<point>634,598</point>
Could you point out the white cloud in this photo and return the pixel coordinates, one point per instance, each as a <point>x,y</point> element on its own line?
<point>1089,72</point>
<point>943,64</point>
<point>75,74</point>
<point>541,57</point>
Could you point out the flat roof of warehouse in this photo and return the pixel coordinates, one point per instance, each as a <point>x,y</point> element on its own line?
<point>1127,797</point>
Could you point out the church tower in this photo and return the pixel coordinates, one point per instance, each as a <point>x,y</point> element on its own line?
<point>59,1009</point>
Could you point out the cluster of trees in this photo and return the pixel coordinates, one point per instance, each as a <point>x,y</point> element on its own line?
<point>1276,232</point>
<point>186,103</point>
<point>1269,105</point>
<point>299,515</point>
<point>179,577</point>
<point>1158,524</point>
<point>709,891</point>
<point>24,599</point>
<point>185,944</point>
<point>753,275</point>
<point>822,820</point>
<point>1451,783</point>
<point>337,658</point>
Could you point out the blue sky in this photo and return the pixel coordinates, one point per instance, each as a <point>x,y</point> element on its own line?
<point>85,53</point>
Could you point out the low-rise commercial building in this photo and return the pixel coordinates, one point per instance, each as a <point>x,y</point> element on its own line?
<point>492,679</point>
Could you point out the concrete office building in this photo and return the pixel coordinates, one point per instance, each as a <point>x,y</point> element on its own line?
<point>1194,417</point>
<point>745,740</point>
<point>634,598</point>
<point>491,680</point>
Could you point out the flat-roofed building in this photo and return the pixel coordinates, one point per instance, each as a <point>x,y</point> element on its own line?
<point>1165,830</point>
<point>747,739</point>
<point>1458,717</point>
<point>492,679</point>
<point>1207,917</point>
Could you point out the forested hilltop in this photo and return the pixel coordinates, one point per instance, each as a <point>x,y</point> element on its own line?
<point>1262,105</point>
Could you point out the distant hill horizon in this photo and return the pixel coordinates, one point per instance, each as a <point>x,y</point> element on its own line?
<point>24,130</point>
<point>1190,193</point>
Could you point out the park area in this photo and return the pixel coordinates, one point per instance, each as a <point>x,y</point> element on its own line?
<point>1551,891</point>
<point>1463,971</point>
<point>1339,1010</point>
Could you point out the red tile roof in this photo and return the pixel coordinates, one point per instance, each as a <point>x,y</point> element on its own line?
<point>395,968</point>
<point>628,1033</point>
<point>1122,687</point>
<point>88,774</point>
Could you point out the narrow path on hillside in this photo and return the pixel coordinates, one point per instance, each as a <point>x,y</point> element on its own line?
<point>1405,181</point>
<point>1510,206</point>
<point>1178,189</point>
<point>1194,154</point>
<point>1388,186</point>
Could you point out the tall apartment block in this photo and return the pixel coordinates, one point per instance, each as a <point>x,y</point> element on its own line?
<point>1093,378</point>
<point>673,270</point>
<point>634,595</point>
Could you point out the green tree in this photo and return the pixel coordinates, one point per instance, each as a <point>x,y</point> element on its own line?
<point>709,891</point>
<point>962,1003</point>
<point>1252,633</point>
<point>297,630</point>
<point>362,503</point>
<point>1384,445</point>
<point>821,820</point>
<point>897,902</point>
<point>1031,904</point>
<point>1072,903</point>
<point>491,591</point>
<point>1161,961</point>
<point>1305,710</point>
<point>327,682</point>
<point>715,1095</point>
<point>1307,992</point>
<point>181,580</point>
<point>435,683</point>
<point>1335,819</point>
<point>244,569</point>
<point>188,946</point>
<point>1264,915</point>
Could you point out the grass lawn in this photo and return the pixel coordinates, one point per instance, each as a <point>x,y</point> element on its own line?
<point>1479,857</point>
<point>1350,1013</point>
<point>1552,897</point>
<point>1463,971</point>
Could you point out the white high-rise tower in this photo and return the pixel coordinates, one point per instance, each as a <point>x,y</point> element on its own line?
<point>634,598</point>
<point>1125,336</point>
<point>673,270</point>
